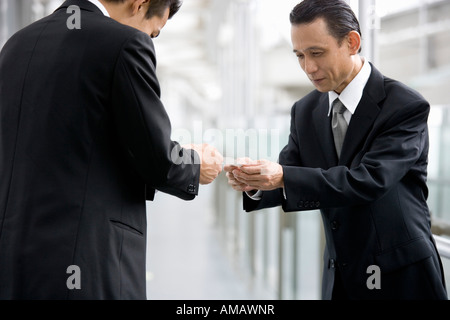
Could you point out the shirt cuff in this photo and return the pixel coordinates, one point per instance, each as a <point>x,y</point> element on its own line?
<point>258,195</point>
<point>255,196</point>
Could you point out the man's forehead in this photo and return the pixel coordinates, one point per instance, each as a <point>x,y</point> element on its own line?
<point>316,27</point>
<point>312,38</point>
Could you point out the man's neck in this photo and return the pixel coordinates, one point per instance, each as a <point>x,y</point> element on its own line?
<point>101,7</point>
<point>115,9</point>
<point>358,63</point>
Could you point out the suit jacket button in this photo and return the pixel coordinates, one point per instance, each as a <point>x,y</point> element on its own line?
<point>300,204</point>
<point>191,188</point>
<point>317,204</point>
<point>331,264</point>
<point>306,204</point>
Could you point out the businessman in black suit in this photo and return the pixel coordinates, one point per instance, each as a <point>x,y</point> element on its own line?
<point>357,151</point>
<point>84,142</point>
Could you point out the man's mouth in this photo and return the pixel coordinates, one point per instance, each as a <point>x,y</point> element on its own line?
<point>317,81</point>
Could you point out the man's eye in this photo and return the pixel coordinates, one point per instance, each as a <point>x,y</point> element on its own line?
<point>316,54</point>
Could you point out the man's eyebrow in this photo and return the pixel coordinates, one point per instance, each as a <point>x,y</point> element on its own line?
<point>309,49</point>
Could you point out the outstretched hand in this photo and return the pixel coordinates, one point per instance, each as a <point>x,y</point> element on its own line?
<point>250,175</point>
<point>232,181</point>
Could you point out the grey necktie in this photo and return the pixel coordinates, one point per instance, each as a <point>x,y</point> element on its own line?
<point>339,125</point>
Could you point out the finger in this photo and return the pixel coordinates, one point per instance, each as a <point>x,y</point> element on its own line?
<point>252,169</point>
<point>230,176</point>
<point>245,188</point>
<point>249,186</point>
<point>237,186</point>
<point>250,179</point>
<point>233,181</point>
<point>246,161</point>
<point>240,177</point>
<point>249,189</point>
<point>230,168</point>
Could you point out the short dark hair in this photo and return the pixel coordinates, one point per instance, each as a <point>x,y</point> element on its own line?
<point>158,7</point>
<point>338,15</point>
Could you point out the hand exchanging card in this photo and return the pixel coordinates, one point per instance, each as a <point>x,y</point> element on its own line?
<point>248,175</point>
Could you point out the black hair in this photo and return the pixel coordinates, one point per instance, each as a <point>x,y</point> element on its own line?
<point>338,15</point>
<point>158,7</point>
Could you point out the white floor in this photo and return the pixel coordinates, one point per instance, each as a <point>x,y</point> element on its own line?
<point>185,259</point>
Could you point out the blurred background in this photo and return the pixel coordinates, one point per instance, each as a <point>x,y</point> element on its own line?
<point>229,78</point>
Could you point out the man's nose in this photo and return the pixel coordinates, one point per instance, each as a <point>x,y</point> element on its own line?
<point>310,66</point>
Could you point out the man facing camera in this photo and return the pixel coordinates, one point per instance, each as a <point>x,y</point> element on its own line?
<point>358,151</point>
<point>84,142</point>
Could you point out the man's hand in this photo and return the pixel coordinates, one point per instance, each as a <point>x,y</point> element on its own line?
<point>248,175</point>
<point>211,162</point>
<point>230,168</point>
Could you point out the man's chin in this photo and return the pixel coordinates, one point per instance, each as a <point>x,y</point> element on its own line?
<point>321,89</point>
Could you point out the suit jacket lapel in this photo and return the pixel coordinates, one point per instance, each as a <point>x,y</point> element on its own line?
<point>364,117</point>
<point>322,123</point>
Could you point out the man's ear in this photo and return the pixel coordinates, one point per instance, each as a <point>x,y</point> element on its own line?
<point>354,42</point>
<point>137,5</point>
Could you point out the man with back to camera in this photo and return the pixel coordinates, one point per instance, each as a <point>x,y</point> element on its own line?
<point>358,151</point>
<point>84,142</point>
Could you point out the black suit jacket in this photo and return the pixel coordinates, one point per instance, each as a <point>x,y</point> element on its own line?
<point>84,138</point>
<point>374,199</point>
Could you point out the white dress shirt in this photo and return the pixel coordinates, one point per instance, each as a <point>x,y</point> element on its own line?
<point>352,94</point>
<point>350,97</point>
<point>100,6</point>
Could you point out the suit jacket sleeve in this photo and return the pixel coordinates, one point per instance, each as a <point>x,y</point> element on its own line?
<point>144,127</point>
<point>394,148</point>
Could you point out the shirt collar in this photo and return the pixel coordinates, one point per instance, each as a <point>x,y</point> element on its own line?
<point>100,6</point>
<point>352,94</point>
